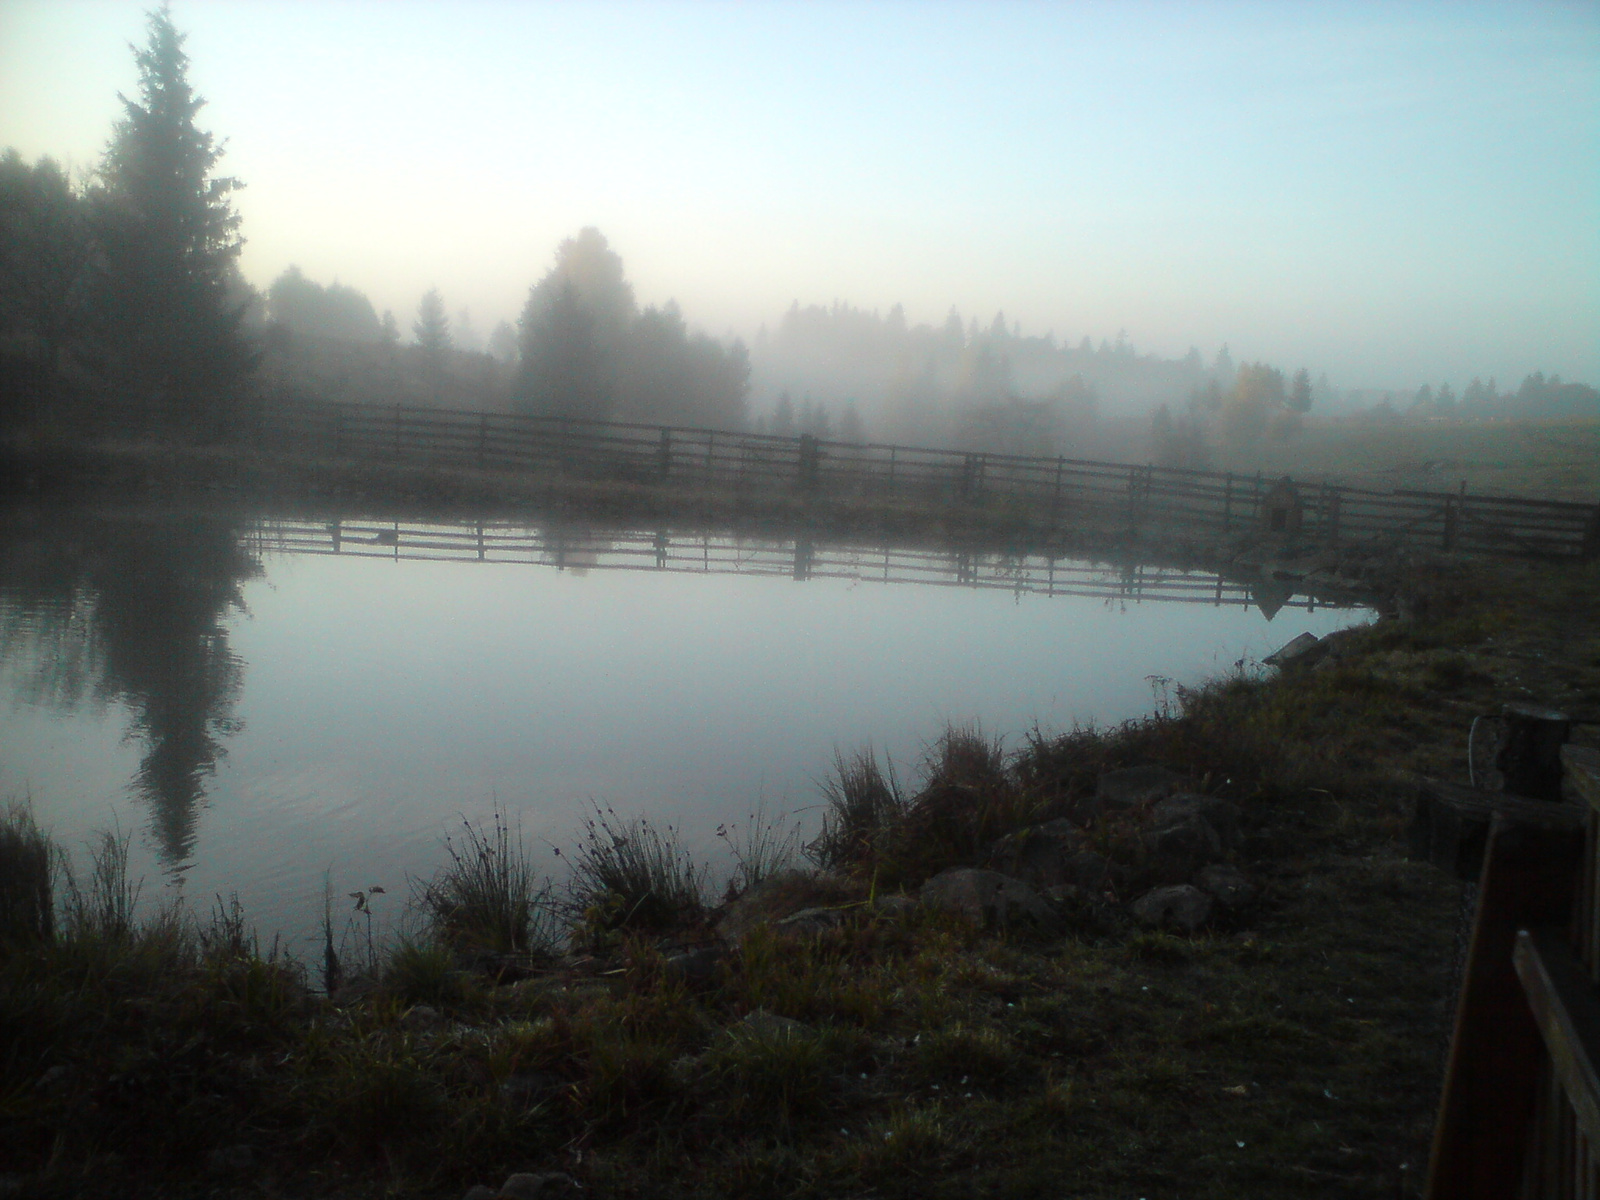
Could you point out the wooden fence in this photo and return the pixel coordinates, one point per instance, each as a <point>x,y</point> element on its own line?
<point>552,545</point>
<point>1067,490</point>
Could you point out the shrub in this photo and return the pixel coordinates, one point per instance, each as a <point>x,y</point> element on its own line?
<point>969,798</point>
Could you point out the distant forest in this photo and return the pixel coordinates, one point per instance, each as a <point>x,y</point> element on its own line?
<point>123,290</point>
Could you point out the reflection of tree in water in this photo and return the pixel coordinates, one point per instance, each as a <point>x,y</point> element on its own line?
<point>132,610</point>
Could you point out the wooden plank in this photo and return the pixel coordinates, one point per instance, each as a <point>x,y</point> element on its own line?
<point>1580,775</point>
<point>1450,824</point>
<point>1567,1011</point>
<point>1492,1079</point>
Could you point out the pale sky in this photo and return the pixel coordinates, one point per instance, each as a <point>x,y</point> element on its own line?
<point>1395,193</point>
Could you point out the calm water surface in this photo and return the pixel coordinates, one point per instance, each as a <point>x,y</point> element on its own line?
<point>256,710</point>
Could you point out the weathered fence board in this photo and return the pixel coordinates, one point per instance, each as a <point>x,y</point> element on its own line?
<point>1067,489</point>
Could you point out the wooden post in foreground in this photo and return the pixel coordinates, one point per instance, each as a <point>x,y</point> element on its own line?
<point>1530,875</point>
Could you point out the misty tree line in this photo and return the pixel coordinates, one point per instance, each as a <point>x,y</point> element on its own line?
<point>129,282</point>
<point>960,384</point>
<point>128,285</point>
<point>1537,398</point>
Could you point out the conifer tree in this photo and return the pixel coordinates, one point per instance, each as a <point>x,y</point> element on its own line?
<point>170,238</point>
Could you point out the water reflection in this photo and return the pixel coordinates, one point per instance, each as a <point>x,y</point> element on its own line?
<point>571,546</point>
<point>131,610</point>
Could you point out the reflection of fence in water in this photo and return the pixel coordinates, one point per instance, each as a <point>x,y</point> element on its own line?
<point>797,558</point>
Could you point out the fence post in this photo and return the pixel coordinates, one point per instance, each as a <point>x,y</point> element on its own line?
<point>1591,536</point>
<point>1227,504</point>
<point>397,432</point>
<point>1331,512</point>
<point>893,452</point>
<point>664,452</point>
<point>1255,501</point>
<point>1055,502</point>
<point>711,443</point>
<point>1452,515</point>
<point>808,462</point>
<point>483,449</point>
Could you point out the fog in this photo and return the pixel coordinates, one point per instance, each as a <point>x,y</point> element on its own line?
<point>1387,196</point>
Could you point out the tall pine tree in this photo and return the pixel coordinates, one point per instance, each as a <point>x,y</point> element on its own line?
<point>170,237</point>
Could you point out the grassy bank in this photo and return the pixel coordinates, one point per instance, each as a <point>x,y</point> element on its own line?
<point>882,1048</point>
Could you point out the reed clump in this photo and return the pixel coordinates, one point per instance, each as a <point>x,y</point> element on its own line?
<point>762,847</point>
<point>863,806</point>
<point>489,899</point>
<point>634,874</point>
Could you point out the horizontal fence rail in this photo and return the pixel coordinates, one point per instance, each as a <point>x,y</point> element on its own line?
<point>797,558</point>
<point>1070,491</point>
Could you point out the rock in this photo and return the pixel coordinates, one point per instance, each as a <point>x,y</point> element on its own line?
<point>1222,815</point>
<point>1046,855</point>
<point>1181,847</point>
<point>811,921</point>
<point>1133,786</point>
<point>1226,885</point>
<point>697,967</point>
<point>763,1024</point>
<point>546,1185</point>
<point>1300,652</point>
<point>894,907</point>
<point>1185,906</point>
<point>230,1160</point>
<point>988,898</point>
<point>479,1192</point>
<point>421,1018</point>
<point>782,894</point>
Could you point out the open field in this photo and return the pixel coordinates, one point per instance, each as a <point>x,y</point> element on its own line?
<point>1558,460</point>
<point>1293,1047</point>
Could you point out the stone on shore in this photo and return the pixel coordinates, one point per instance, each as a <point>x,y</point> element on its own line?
<point>1183,905</point>
<point>988,898</point>
<point>1049,855</point>
<point>1227,885</point>
<point>1222,815</point>
<point>1134,786</point>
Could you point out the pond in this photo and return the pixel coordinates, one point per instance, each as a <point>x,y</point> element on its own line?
<point>259,701</point>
